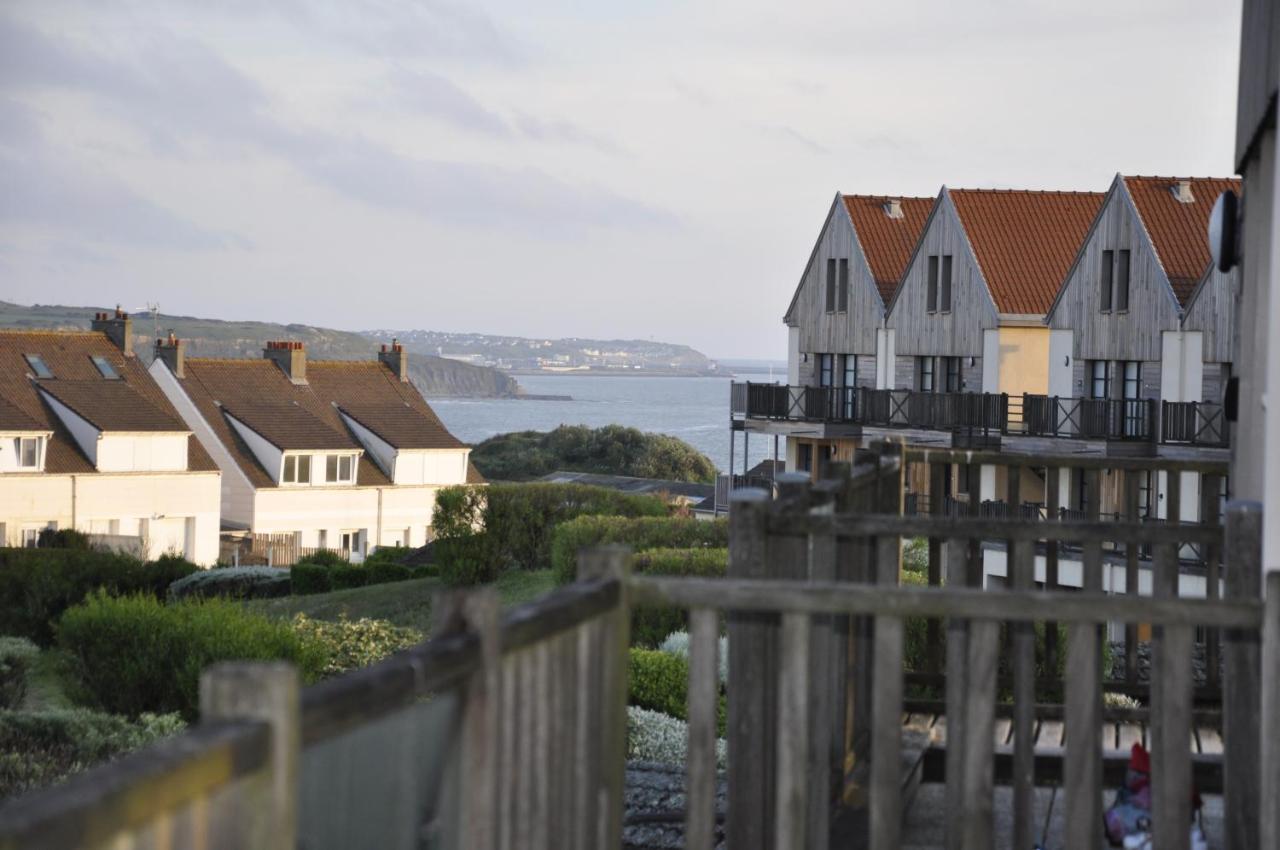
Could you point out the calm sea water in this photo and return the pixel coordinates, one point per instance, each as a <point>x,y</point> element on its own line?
<point>694,409</point>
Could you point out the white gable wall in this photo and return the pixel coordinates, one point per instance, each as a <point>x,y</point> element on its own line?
<point>85,435</point>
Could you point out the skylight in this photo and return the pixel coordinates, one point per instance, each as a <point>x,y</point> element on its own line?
<point>104,367</point>
<point>37,365</point>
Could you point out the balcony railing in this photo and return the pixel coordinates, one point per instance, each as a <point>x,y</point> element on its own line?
<point>1193,422</point>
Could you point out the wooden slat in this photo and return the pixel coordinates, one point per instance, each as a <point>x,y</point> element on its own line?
<point>1210,741</point>
<point>1053,497</point>
<point>886,696</point>
<point>1004,732</point>
<point>791,820</point>
<point>979,726</point>
<point>1082,771</point>
<point>1242,686</point>
<point>1209,486</point>
<point>1171,704</point>
<point>1131,553</point>
<point>1269,791</point>
<point>957,685</point>
<point>1022,577</point>
<point>704,691</point>
<point>824,749</point>
<point>989,528</point>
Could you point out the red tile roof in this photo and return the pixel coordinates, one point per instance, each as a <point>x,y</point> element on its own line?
<point>1179,231</point>
<point>1025,241</point>
<point>132,402</point>
<point>887,242</point>
<point>306,416</point>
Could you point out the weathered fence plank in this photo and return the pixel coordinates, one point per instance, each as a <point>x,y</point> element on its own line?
<point>1242,686</point>
<point>704,691</point>
<point>791,820</point>
<point>1171,704</point>
<point>978,779</point>
<point>886,713</point>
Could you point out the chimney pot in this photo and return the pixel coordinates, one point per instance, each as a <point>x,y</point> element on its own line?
<point>893,208</point>
<point>118,329</point>
<point>290,356</point>
<point>1182,191</point>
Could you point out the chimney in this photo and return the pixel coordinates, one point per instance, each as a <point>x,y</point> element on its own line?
<point>396,358</point>
<point>173,352</point>
<point>118,328</point>
<point>893,208</point>
<point>1182,191</point>
<point>290,356</point>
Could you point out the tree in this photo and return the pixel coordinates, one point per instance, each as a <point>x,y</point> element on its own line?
<point>610,450</point>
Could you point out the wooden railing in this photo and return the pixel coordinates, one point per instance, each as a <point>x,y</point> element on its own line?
<point>816,625</point>
<point>500,732</point>
<point>1192,422</point>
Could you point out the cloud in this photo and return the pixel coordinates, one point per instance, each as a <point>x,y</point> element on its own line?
<point>563,131</point>
<point>794,136</point>
<point>435,96</point>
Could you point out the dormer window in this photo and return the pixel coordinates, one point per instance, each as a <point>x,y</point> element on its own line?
<point>27,450</point>
<point>297,469</point>
<point>339,469</point>
<point>104,368</point>
<point>37,364</point>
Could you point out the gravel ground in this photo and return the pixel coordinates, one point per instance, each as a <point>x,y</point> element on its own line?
<point>655,807</point>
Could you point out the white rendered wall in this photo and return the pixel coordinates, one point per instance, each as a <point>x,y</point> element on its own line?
<point>434,466</point>
<point>133,452</point>
<point>1181,366</point>
<point>310,510</point>
<point>990,361</point>
<point>793,356</point>
<point>268,455</point>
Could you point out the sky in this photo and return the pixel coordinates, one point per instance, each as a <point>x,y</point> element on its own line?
<point>654,170</point>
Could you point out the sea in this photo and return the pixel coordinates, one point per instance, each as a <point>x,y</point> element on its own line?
<point>694,409</point>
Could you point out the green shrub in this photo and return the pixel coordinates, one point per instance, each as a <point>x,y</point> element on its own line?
<point>37,585</point>
<point>133,654</point>
<point>519,518</point>
<point>388,555</point>
<point>466,561</point>
<point>63,538</point>
<point>233,583</point>
<point>305,578</point>
<point>347,577</point>
<point>650,625</point>
<point>16,657</point>
<point>423,571</point>
<point>611,450</point>
<point>326,558</point>
<point>40,748</point>
<point>639,533</point>
<point>656,737</point>
<point>385,573</point>
<point>659,681</point>
<point>352,644</point>
<point>159,575</point>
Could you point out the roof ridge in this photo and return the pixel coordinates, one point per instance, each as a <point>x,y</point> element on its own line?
<point>1231,179</point>
<point>1072,192</point>
<point>50,332</point>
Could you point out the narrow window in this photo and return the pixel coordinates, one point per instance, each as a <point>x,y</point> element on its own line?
<point>932,305</point>
<point>104,368</point>
<point>831,285</point>
<point>30,538</point>
<point>925,381</point>
<point>345,465</point>
<point>28,452</point>
<point>805,460</point>
<point>952,374</point>
<point>850,383</point>
<point>1132,379</point>
<point>842,287</point>
<point>290,468</point>
<point>1108,267</point>
<point>36,362</point>
<point>1144,494</point>
<point>1122,281</point>
<point>322,539</point>
<point>945,306</point>
<point>304,469</point>
<point>1098,383</point>
<point>331,468</point>
<point>826,369</point>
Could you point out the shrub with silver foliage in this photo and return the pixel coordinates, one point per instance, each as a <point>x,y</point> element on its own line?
<point>677,643</point>
<point>654,736</point>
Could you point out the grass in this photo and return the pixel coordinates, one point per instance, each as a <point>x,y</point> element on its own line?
<point>404,603</point>
<point>45,683</point>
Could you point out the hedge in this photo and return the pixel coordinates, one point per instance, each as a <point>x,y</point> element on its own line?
<point>37,585</point>
<point>233,583</point>
<point>466,561</point>
<point>659,681</point>
<point>39,748</point>
<point>639,533</point>
<point>132,654</point>
<point>352,644</point>
<point>519,518</point>
<point>16,657</point>
<point>333,573</point>
<point>650,625</point>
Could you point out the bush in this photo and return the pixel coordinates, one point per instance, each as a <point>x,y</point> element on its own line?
<point>466,561</point>
<point>650,625</point>
<point>388,555</point>
<point>352,644</point>
<point>132,654</point>
<point>519,518</point>
<point>610,450</point>
<point>63,538</point>
<point>639,533</point>
<point>325,558</point>
<point>159,575</point>
<point>657,737</point>
<point>659,681</point>
<point>348,577</point>
<point>423,571</point>
<point>305,578</point>
<point>385,573</point>
<point>233,583</point>
<point>677,643</point>
<point>40,748</point>
<point>16,657</point>
<point>37,585</point>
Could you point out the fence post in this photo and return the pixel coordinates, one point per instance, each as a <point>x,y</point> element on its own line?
<point>1241,688</point>
<point>268,692</point>
<point>612,562</point>
<point>1269,828</point>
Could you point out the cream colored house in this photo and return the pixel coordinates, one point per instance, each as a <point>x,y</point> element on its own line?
<point>88,441</point>
<point>341,455</point>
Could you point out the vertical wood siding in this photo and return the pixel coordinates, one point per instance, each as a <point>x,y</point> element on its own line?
<point>1214,314</point>
<point>851,332</point>
<point>1132,335</point>
<point>958,333</point>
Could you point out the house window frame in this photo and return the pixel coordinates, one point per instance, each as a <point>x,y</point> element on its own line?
<point>952,379</point>
<point>38,366</point>
<point>1106,281</point>
<point>339,469</point>
<point>931,285</point>
<point>20,451</point>
<point>1094,378</point>
<point>831,285</point>
<point>1120,282</point>
<point>925,369</point>
<point>301,472</point>
<point>944,285</point>
<point>849,380</point>
<point>842,286</point>
<point>826,370</point>
<point>104,367</point>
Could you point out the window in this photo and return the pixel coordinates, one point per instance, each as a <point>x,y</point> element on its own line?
<point>831,285</point>
<point>297,469</point>
<point>1099,383</point>
<point>850,381</point>
<point>1132,379</point>
<point>351,541</point>
<point>30,538</point>
<point>1134,411</point>
<point>36,362</point>
<point>1144,494</point>
<point>104,368</point>
<point>924,376</point>
<point>337,468</point>
<point>932,298</point>
<point>28,452</point>
<point>826,370</point>
<point>322,538</point>
<point>951,374</point>
<point>842,288</point>
<point>963,484</point>
<point>945,298</point>
<point>1122,282</point>
<point>805,460</point>
<point>1108,268</point>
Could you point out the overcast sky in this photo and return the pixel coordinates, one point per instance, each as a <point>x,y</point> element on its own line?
<point>645,169</point>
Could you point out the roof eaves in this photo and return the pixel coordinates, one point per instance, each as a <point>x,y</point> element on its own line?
<point>838,202</point>
<point>1168,284</point>
<point>1084,243</point>
<point>928,222</point>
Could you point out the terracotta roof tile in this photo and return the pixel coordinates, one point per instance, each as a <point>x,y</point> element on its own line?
<point>1179,231</point>
<point>67,354</point>
<point>12,418</point>
<point>887,242</point>
<point>1025,241</point>
<point>473,475</point>
<point>305,416</point>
